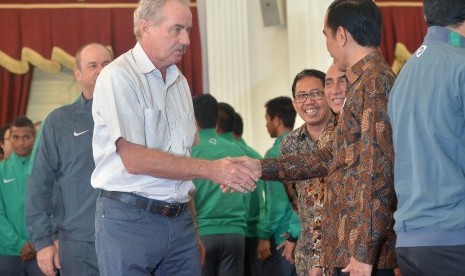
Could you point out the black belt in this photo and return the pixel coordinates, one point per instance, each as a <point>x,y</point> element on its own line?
<point>151,205</point>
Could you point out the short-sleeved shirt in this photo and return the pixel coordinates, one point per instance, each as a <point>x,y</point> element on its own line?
<point>133,101</point>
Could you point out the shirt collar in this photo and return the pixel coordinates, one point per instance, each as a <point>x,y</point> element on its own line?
<point>83,101</point>
<point>437,33</point>
<point>145,65</point>
<point>303,133</point>
<point>207,132</point>
<point>142,60</point>
<point>354,72</point>
<point>228,135</point>
<point>15,158</point>
<point>278,139</point>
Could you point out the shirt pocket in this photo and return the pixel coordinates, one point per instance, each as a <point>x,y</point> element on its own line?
<point>156,129</point>
<point>190,130</point>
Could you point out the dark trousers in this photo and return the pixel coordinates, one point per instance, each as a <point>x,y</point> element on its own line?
<point>224,255</point>
<point>78,258</point>
<point>431,260</point>
<point>251,262</point>
<point>276,264</point>
<point>13,266</point>
<point>376,272</point>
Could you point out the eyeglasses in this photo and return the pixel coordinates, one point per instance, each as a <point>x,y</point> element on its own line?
<point>313,95</point>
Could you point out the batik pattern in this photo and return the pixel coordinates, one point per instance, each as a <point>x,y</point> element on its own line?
<point>358,209</point>
<point>307,197</point>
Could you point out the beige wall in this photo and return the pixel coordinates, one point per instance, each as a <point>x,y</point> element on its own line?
<point>248,64</point>
<point>49,91</point>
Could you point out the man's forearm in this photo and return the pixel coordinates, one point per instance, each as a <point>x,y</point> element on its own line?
<point>140,160</point>
<point>297,167</point>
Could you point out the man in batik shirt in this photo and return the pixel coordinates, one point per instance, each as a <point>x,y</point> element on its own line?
<point>357,234</point>
<point>307,195</point>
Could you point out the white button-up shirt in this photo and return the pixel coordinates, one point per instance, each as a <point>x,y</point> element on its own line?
<point>131,100</point>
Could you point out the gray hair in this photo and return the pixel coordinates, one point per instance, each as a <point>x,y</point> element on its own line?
<point>150,10</point>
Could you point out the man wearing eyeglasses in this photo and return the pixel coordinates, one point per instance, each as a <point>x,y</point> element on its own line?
<point>307,195</point>
<point>17,254</point>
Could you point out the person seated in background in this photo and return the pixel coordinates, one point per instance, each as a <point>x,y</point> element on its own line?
<point>17,254</point>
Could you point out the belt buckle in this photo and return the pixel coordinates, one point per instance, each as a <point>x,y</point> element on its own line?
<point>166,210</point>
<point>176,210</point>
<point>172,210</point>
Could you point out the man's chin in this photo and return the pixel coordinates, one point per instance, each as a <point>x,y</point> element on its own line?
<point>176,60</point>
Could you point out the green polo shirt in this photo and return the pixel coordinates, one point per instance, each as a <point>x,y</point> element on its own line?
<point>13,177</point>
<point>275,220</point>
<point>217,212</point>
<point>255,200</point>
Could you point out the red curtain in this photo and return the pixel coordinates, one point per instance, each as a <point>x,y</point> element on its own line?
<point>403,22</point>
<point>14,101</point>
<point>68,25</point>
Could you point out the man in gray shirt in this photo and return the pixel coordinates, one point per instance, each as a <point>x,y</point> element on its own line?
<point>62,170</point>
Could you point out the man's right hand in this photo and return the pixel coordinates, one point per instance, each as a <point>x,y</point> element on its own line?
<point>233,175</point>
<point>48,259</point>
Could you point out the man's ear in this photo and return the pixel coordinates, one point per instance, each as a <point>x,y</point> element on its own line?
<point>144,26</point>
<point>342,36</point>
<point>77,74</point>
<point>277,121</point>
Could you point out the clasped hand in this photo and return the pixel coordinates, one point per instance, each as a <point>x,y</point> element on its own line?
<point>238,174</point>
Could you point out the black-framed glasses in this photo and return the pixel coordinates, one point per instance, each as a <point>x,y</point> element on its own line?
<point>313,95</point>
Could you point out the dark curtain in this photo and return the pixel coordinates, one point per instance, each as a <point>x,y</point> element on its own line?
<point>67,25</point>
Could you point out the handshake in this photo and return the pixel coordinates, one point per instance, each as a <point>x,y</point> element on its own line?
<point>236,173</point>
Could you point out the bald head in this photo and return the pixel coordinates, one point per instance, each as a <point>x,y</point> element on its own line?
<point>90,60</point>
<point>335,88</point>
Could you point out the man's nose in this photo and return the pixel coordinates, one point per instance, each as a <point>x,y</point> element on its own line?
<point>185,38</point>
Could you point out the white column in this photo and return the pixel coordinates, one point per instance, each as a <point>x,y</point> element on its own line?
<point>307,46</point>
<point>228,56</point>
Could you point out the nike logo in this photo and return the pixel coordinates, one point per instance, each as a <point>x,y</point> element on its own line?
<point>8,180</point>
<point>76,134</point>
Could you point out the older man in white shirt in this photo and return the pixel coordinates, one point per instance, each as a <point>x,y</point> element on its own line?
<point>144,132</point>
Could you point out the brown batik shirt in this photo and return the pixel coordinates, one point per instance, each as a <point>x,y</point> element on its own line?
<point>307,197</point>
<point>358,210</point>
